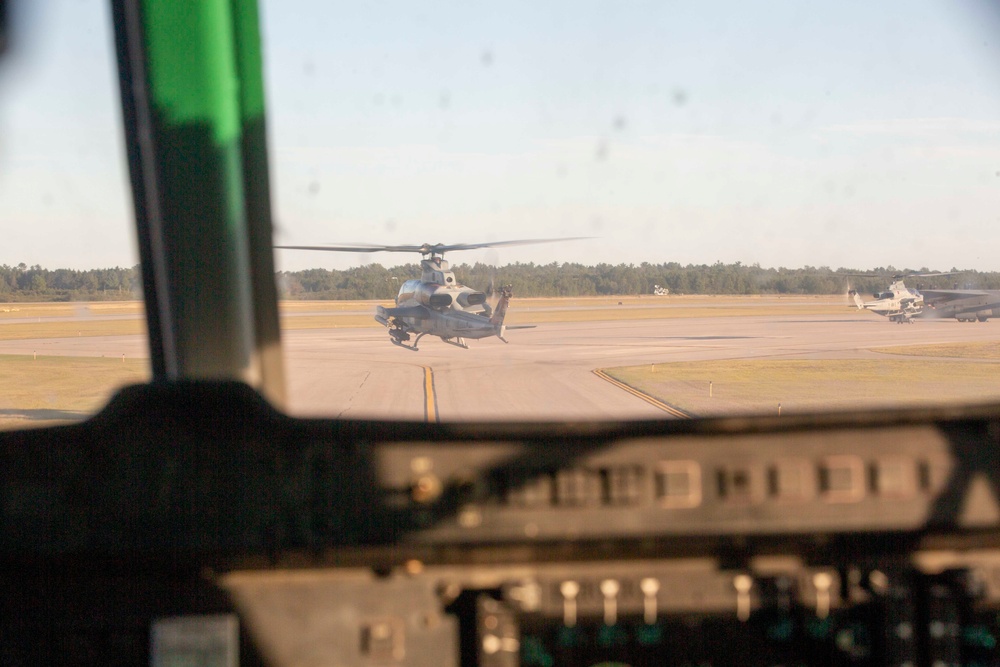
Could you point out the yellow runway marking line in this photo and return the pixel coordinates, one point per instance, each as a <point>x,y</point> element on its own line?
<point>430,398</point>
<point>669,409</point>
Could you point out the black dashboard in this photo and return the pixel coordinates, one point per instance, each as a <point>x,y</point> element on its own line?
<point>192,522</point>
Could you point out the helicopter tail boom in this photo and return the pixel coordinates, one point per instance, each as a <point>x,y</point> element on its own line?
<point>500,311</point>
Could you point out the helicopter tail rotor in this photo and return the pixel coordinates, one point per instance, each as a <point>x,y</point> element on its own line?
<point>853,298</point>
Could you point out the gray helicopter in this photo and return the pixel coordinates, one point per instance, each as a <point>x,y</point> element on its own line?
<point>437,304</point>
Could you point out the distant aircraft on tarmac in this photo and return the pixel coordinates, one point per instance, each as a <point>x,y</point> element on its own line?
<point>965,305</point>
<point>902,304</point>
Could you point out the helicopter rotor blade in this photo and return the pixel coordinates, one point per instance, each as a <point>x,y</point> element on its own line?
<point>440,247</point>
<point>426,248</point>
<point>353,248</point>
<point>931,275</point>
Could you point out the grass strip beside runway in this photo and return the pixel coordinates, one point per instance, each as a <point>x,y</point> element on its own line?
<point>45,390</point>
<point>760,386</point>
<point>59,329</point>
<point>48,320</point>
<point>527,316</point>
<point>975,350</point>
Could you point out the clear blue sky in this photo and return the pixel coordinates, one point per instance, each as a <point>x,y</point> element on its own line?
<point>786,133</point>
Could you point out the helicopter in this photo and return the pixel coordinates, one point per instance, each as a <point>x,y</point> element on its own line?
<point>437,304</point>
<point>899,303</point>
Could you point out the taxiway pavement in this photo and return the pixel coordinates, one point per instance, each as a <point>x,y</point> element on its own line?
<point>547,373</point>
<point>544,373</point>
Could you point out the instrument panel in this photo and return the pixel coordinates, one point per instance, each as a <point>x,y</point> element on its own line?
<point>193,522</point>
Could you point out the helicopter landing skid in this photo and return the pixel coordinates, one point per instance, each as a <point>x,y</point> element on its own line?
<point>459,342</point>
<point>398,340</point>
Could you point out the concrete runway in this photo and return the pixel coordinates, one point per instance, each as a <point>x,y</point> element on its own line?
<point>547,373</point>
<point>544,373</point>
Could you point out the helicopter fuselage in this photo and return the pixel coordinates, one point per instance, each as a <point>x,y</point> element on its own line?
<point>899,303</point>
<point>440,297</point>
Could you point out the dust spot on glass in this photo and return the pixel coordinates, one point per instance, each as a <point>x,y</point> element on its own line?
<point>313,188</point>
<point>390,225</point>
<point>486,58</point>
<point>444,100</point>
<point>680,97</point>
<point>619,123</point>
<point>309,68</point>
<point>602,150</point>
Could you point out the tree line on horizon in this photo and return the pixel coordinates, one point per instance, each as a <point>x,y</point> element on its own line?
<point>34,283</point>
<point>374,281</point>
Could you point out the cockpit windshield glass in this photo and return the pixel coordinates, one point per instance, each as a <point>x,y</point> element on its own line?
<point>548,211</point>
<point>72,328</point>
<point>757,208</point>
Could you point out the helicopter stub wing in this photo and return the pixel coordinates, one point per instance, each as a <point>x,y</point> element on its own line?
<point>419,312</point>
<point>382,314</point>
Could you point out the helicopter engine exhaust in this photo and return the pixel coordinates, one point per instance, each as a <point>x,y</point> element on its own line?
<point>433,296</point>
<point>466,299</point>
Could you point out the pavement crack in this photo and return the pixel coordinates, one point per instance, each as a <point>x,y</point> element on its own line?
<point>354,394</point>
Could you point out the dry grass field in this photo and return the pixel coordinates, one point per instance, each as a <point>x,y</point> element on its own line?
<point>46,390</point>
<point>806,385</point>
<point>14,311</point>
<point>24,321</point>
<point>978,350</point>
